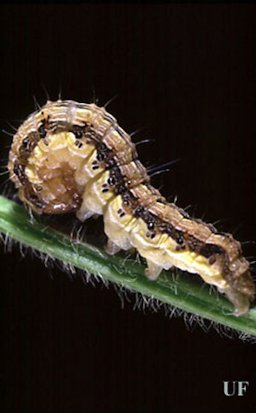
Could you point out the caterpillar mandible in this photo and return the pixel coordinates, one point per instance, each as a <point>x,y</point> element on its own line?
<point>71,156</point>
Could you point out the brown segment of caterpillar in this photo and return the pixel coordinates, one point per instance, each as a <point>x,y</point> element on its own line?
<point>71,156</point>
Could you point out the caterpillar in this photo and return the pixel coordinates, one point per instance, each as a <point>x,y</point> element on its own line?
<point>74,157</point>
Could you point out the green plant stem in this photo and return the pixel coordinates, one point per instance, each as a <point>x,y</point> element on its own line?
<point>182,291</point>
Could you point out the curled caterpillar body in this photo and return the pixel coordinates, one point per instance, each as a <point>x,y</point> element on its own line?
<point>72,156</point>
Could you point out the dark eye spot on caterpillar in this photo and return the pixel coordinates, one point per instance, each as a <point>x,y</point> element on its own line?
<point>19,172</point>
<point>97,168</point>
<point>42,131</point>
<point>79,144</point>
<point>78,132</point>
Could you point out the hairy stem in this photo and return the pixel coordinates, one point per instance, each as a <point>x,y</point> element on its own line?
<point>182,291</point>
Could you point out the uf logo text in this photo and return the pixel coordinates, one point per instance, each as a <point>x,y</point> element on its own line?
<point>235,388</point>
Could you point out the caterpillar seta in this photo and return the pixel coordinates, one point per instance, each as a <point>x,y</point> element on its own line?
<point>74,157</point>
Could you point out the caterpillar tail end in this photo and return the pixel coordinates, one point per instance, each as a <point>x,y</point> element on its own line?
<point>240,301</point>
<point>241,298</point>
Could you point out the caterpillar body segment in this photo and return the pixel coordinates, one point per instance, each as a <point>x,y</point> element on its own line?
<point>72,156</point>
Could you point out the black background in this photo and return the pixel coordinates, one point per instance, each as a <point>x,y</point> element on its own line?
<point>186,75</point>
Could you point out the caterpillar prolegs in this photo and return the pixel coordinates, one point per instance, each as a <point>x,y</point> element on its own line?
<point>71,156</point>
